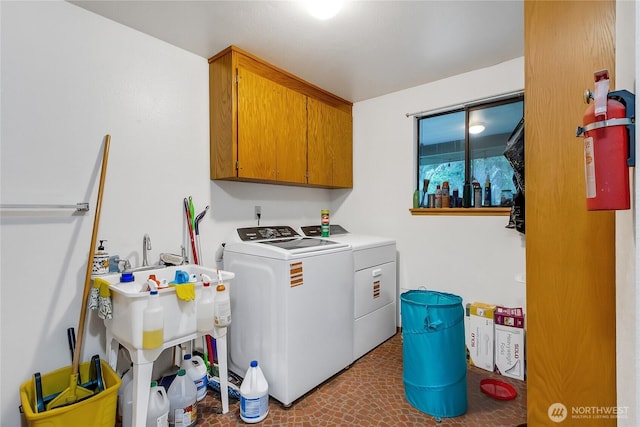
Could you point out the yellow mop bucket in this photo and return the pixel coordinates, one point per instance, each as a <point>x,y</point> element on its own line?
<point>98,410</point>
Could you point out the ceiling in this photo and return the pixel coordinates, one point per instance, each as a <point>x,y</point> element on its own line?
<point>370,48</point>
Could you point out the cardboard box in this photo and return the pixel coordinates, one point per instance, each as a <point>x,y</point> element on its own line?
<point>480,338</point>
<point>510,342</point>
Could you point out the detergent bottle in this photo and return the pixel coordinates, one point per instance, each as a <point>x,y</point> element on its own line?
<point>182,397</point>
<point>197,371</point>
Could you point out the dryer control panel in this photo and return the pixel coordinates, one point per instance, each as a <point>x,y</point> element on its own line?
<point>266,233</point>
<point>315,230</point>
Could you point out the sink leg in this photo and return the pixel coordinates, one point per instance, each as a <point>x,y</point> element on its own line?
<point>141,388</point>
<point>221,343</point>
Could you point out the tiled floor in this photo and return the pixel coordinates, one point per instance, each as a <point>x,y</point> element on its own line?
<point>371,393</point>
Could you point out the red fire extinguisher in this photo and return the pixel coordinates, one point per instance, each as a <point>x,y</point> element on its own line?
<point>609,147</point>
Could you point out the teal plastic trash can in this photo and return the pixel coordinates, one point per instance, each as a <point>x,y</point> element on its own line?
<point>433,351</point>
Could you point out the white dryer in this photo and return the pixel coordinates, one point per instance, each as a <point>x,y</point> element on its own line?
<point>291,308</point>
<point>374,289</point>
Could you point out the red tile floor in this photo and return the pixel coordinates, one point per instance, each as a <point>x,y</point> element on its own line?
<point>371,393</point>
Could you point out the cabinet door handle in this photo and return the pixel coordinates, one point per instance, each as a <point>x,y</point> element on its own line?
<point>377,272</point>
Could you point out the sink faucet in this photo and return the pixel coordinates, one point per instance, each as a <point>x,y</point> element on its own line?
<point>146,246</point>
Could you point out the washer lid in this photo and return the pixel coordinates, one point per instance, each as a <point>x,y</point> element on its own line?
<point>263,233</point>
<point>295,243</point>
<point>280,242</point>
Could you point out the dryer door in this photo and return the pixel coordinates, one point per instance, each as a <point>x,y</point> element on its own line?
<point>375,287</point>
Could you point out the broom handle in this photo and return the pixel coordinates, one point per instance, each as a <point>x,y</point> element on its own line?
<point>87,279</point>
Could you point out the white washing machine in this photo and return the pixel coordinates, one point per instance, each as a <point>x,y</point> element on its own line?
<point>291,308</point>
<point>374,289</point>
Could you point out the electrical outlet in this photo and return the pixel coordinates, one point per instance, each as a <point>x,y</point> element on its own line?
<point>258,211</point>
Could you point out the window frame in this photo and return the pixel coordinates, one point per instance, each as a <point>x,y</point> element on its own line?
<point>467,109</point>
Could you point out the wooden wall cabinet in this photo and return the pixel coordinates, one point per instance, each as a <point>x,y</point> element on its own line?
<point>270,126</point>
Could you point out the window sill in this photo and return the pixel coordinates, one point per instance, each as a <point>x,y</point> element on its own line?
<point>484,211</point>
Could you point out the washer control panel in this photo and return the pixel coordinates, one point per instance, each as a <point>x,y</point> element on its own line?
<point>266,233</point>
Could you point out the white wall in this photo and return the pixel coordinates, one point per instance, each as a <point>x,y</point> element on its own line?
<point>475,257</point>
<point>626,327</point>
<point>69,77</point>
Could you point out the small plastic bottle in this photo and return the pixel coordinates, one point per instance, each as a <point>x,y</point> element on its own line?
<point>438,196</point>
<point>416,199</point>
<point>222,311</point>
<point>254,395</point>
<point>446,203</point>
<point>153,323</point>
<point>487,192</point>
<point>205,306</point>
<point>182,397</point>
<point>477,194</point>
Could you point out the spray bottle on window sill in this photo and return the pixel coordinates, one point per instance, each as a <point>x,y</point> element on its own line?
<point>487,192</point>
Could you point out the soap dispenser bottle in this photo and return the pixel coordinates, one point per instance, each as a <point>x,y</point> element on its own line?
<point>100,260</point>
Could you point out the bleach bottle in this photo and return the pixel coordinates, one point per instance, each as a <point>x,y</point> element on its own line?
<point>196,369</point>
<point>127,403</point>
<point>254,395</point>
<point>182,397</point>
<point>159,406</point>
<point>122,401</point>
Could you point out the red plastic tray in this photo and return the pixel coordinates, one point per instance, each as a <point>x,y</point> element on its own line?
<point>498,389</point>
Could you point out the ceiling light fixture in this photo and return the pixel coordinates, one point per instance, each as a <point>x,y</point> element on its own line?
<point>476,128</point>
<point>324,9</point>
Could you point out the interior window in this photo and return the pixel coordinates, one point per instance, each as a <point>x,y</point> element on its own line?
<point>467,144</point>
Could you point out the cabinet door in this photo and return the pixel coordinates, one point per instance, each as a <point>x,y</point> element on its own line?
<point>330,140</point>
<point>271,130</point>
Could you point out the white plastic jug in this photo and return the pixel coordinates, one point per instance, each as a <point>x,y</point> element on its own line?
<point>159,406</point>
<point>254,395</point>
<point>197,371</point>
<point>126,379</point>
<point>182,397</point>
<point>127,404</point>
